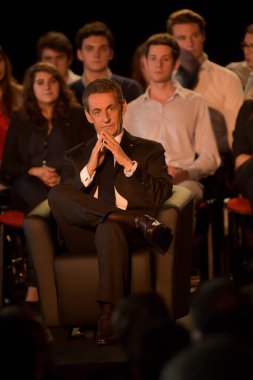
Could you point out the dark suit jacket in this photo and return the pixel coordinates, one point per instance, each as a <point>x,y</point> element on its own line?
<point>131,89</point>
<point>147,188</point>
<point>16,161</point>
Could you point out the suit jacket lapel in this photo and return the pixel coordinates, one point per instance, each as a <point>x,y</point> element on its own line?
<point>127,144</point>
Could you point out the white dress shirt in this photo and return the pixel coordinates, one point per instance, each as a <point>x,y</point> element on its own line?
<point>182,125</point>
<point>222,90</point>
<point>121,202</point>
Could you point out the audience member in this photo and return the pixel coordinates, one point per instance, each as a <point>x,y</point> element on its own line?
<point>244,69</point>
<point>218,307</point>
<point>243,150</point>
<point>243,184</point>
<point>138,69</point>
<point>48,123</point>
<point>139,185</point>
<point>143,327</point>
<point>10,96</point>
<point>56,48</point>
<point>95,44</point>
<point>25,349</point>
<point>219,86</point>
<point>216,358</point>
<point>174,116</point>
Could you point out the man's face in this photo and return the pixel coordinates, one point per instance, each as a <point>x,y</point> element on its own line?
<point>159,63</point>
<point>190,38</point>
<point>105,113</point>
<point>58,59</point>
<point>95,53</point>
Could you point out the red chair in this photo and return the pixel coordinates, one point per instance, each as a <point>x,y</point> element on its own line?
<point>10,221</point>
<point>240,223</point>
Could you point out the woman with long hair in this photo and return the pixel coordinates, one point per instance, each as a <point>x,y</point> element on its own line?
<point>10,96</point>
<point>48,123</point>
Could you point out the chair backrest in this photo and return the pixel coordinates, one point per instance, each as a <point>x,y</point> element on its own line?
<point>67,283</point>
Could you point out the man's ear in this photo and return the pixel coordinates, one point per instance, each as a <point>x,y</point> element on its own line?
<point>177,64</point>
<point>88,117</point>
<point>79,55</point>
<point>124,107</point>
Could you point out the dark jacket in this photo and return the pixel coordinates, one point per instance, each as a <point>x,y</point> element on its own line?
<point>130,88</point>
<point>147,188</point>
<point>16,161</point>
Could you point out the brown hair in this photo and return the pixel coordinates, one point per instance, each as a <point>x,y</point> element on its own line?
<point>31,110</point>
<point>163,39</point>
<point>185,16</point>
<point>11,90</point>
<point>56,41</point>
<point>101,86</point>
<point>96,28</point>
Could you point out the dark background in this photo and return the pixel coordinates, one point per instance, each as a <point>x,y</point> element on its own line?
<point>21,25</point>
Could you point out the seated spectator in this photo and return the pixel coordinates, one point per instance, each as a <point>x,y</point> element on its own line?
<point>10,99</point>
<point>25,349</point>
<point>10,96</point>
<point>143,327</point>
<point>244,69</point>
<point>176,117</point>
<point>243,150</point>
<point>216,358</point>
<point>56,48</point>
<point>48,123</point>
<point>220,87</point>
<point>95,44</point>
<point>218,307</point>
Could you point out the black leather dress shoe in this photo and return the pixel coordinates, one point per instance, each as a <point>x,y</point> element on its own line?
<point>104,332</point>
<point>156,233</point>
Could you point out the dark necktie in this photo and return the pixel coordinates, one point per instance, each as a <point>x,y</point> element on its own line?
<point>106,190</point>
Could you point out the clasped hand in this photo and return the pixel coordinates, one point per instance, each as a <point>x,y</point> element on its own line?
<point>46,174</point>
<point>106,141</point>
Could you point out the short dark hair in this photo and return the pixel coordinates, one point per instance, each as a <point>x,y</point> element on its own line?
<point>163,39</point>
<point>185,16</point>
<point>96,28</point>
<point>56,41</point>
<point>100,86</point>
<point>249,29</point>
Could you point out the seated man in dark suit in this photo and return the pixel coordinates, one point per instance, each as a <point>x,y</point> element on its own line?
<point>119,216</point>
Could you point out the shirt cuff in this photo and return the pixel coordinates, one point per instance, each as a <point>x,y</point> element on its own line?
<point>129,173</point>
<point>85,177</point>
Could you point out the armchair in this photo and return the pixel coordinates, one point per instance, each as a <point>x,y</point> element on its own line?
<point>65,279</point>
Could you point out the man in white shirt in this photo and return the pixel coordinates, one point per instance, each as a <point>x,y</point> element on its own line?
<point>244,69</point>
<point>176,117</point>
<point>219,86</point>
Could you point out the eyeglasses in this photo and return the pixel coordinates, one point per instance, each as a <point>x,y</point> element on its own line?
<point>244,45</point>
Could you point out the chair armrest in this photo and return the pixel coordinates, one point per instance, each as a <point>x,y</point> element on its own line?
<point>42,210</point>
<point>173,270</point>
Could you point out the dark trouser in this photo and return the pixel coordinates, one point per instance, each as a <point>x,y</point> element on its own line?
<point>244,180</point>
<point>78,214</point>
<point>27,192</point>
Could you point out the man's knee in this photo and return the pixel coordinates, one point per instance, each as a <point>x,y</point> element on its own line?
<point>56,195</point>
